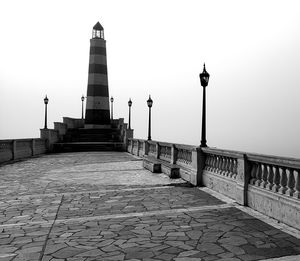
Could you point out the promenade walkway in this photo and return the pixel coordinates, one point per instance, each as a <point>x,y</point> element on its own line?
<point>105,206</point>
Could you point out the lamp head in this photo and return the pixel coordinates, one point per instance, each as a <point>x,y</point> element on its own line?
<point>149,102</point>
<point>129,102</point>
<point>112,99</point>
<point>46,100</point>
<point>204,77</point>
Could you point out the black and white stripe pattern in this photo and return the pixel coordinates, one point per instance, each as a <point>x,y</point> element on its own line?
<point>97,103</point>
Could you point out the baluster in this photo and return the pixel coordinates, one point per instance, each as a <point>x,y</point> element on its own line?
<point>290,182</point>
<point>211,162</point>
<point>207,159</point>
<point>214,163</point>
<point>276,179</point>
<point>227,166</point>
<point>231,167</point>
<point>270,178</point>
<point>227,160</point>
<point>283,181</point>
<point>185,157</point>
<point>219,164</point>
<point>297,184</point>
<point>253,173</point>
<point>234,172</point>
<point>264,176</point>
<point>258,175</point>
<point>206,166</point>
<point>222,165</point>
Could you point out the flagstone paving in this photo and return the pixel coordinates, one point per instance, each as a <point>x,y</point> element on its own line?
<point>105,206</point>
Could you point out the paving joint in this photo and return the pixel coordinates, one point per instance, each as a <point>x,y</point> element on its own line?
<point>51,227</point>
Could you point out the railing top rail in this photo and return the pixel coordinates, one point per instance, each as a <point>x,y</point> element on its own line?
<point>226,153</point>
<point>26,139</point>
<point>166,144</point>
<point>185,147</point>
<point>152,142</point>
<point>6,141</point>
<point>275,160</point>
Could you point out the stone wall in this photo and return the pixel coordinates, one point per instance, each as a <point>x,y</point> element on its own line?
<point>21,148</point>
<point>268,184</point>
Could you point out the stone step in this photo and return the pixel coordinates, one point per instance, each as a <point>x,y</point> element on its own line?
<point>99,137</point>
<point>99,131</point>
<point>88,146</point>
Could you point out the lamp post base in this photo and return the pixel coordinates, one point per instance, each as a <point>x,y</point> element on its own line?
<point>203,144</point>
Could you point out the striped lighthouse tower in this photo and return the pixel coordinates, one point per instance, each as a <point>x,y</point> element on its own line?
<point>97,113</point>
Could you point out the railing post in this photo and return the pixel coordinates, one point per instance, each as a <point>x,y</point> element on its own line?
<point>157,150</point>
<point>32,147</point>
<point>173,154</point>
<point>131,146</point>
<point>146,147</point>
<point>138,148</point>
<point>14,149</point>
<point>198,164</point>
<point>242,180</point>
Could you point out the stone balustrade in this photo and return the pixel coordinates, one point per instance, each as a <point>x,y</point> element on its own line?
<point>268,184</point>
<point>184,156</point>
<point>165,151</point>
<point>274,186</point>
<point>21,148</point>
<point>275,174</point>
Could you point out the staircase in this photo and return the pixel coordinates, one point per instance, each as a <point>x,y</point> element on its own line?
<point>81,139</point>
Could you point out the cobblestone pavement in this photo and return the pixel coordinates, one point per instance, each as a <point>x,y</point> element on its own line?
<point>105,206</point>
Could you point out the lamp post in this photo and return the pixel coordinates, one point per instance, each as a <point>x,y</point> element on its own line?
<point>149,103</point>
<point>46,100</point>
<point>82,100</point>
<point>129,118</point>
<point>204,78</point>
<point>112,107</point>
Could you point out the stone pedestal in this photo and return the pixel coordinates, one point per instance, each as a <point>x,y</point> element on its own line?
<point>51,136</point>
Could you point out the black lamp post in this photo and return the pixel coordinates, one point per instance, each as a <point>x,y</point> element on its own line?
<point>82,100</point>
<point>46,100</point>
<point>129,118</point>
<point>112,107</point>
<point>149,103</point>
<point>204,78</point>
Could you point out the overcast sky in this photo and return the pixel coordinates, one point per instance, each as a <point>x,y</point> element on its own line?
<point>251,50</point>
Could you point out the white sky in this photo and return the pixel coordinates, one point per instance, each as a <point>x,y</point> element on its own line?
<point>251,50</point>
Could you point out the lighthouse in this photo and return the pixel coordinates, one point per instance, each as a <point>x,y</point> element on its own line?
<point>97,114</point>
